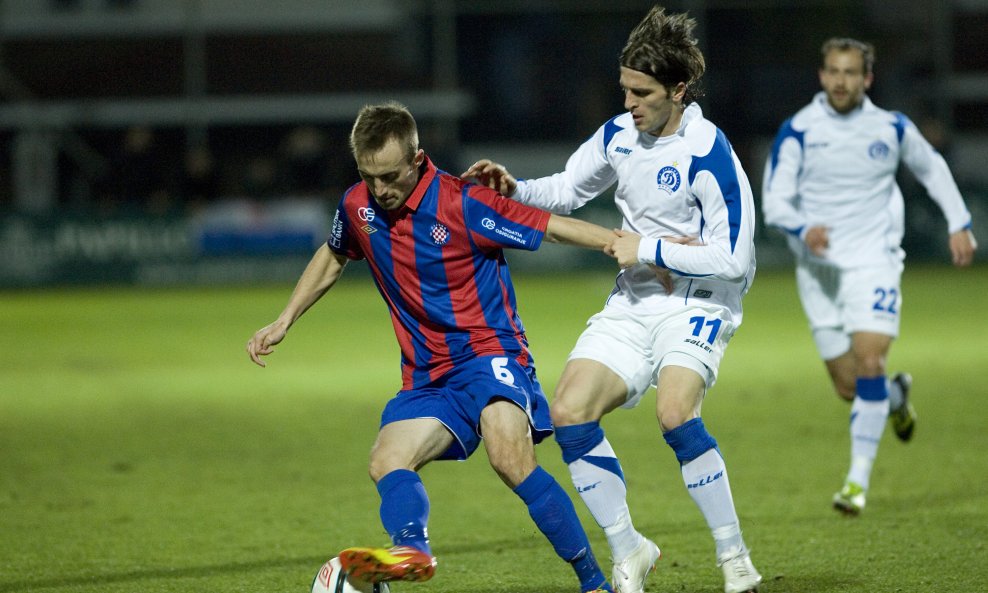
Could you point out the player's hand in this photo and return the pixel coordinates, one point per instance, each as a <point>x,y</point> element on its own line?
<point>624,248</point>
<point>663,275</point>
<point>691,241</point>
<point>495,176</point>
<point>263,341</point>
<point>962,246</point>
<point>817,239</point>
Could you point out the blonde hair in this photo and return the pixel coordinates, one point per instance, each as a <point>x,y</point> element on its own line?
<point>377,124</point>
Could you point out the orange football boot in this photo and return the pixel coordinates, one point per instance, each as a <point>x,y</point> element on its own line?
<point>397,563</point>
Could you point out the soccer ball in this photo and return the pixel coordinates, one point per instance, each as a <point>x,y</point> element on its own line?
<point>331,578</point>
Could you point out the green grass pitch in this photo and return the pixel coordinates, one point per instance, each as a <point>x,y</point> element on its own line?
<point>140,450</point>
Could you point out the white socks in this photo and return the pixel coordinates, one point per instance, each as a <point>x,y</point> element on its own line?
<point>867,425</point>
<point>598,478</point>
<point>708,486</point>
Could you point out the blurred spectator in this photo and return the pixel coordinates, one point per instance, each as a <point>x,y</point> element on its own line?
<point>936,134</point>
<point>259,178</point>
<point>137,180</point>
<point>199,183</point>
<point>305,162</point>
<point>6,172</point>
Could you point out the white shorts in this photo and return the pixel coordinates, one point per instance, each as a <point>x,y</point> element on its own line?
<point>839,303</point>
<point>636,347</point>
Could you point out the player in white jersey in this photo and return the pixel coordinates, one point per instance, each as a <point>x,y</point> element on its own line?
<point>830,185</point>
<point>687,256</point>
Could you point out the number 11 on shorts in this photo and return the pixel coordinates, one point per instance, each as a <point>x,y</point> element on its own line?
<point>699,322</point>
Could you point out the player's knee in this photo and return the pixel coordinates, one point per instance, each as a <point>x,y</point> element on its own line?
<point>377,469</point>
<point>672,414</point>
<point>844,389</point>
<point>871,364</point>
<point>578,403</point>
<point>510,475</point>
<point>381,464</point>
<point>672,419</point>
<point>512,467</point>
<point>870,352</point>
<point>565,412</point>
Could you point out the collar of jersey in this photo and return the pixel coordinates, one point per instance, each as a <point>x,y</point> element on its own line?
<point>691,113</point>
<point>428,174</point>
<point>821,99</point>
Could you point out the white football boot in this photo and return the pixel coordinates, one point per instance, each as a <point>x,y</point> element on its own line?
<point>850,500</point>
<point>629,574</point>
<point>740,575</point>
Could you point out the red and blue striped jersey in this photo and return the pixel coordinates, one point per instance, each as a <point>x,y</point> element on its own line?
<point>438,263</point>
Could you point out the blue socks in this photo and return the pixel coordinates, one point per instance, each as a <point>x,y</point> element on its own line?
<point>690,440</point>
<point>556,518</point>
<point>405,513</point>
<point>405,509</point>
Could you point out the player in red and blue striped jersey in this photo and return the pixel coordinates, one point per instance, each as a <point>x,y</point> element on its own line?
<point>438,263</point>
<point>434,244</point>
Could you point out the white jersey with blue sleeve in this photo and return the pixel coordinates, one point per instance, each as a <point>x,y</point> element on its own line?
<point>838,171</point>
<point>690,183</point>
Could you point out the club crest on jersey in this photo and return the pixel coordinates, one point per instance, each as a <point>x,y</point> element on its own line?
<point>668,179</point>
<point>878,150</point>
<point>439,234</point>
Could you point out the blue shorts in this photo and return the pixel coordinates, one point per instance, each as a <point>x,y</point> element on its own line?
<point>457,398</point>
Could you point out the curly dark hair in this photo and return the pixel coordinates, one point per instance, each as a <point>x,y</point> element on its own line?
<point>663,46</point>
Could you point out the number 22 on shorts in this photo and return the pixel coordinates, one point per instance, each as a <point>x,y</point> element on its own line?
<point>886,300</point>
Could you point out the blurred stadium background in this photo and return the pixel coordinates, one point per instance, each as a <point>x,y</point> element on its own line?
<point>162,142</point>
<point>202,143</point>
